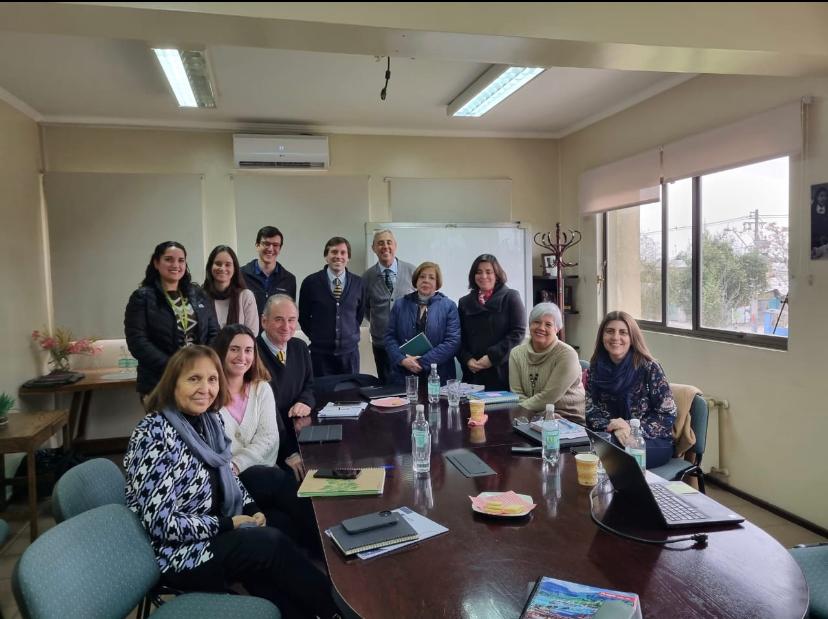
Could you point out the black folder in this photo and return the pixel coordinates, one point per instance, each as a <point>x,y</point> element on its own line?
<point>320,434</point>
<point>351,544</point>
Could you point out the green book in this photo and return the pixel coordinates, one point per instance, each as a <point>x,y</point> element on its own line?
<point>417,346</point>
<point>369,481</point>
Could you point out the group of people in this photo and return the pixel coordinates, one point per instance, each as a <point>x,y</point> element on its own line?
<point>212,470</point>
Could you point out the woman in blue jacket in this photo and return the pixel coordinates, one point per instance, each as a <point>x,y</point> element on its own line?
<point>424,311</point>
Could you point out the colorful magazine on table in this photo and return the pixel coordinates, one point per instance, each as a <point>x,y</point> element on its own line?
<point>558,599</point>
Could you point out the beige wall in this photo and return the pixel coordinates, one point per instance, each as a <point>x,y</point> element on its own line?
<point>773,436</point>
<point>531,164</point>
<point>22,276</point>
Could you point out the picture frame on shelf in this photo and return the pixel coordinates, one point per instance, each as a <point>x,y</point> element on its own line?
<point>548,264</point>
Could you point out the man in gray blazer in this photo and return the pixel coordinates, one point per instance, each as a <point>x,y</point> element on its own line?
<point>385,282</point>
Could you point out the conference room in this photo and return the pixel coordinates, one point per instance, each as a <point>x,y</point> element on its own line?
<point>681,140</point>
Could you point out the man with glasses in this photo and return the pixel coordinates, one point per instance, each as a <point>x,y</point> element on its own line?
<point>263,275</point>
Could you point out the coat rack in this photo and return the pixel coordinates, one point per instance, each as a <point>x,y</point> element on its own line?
<point>563,241</point>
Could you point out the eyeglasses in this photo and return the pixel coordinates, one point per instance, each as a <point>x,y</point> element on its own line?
<point>270,245</point>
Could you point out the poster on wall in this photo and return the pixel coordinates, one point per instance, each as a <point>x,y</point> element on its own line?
<point>819,221</point>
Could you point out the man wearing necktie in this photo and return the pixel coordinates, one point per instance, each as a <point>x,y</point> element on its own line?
<point>288,360</point>
<point>385,282</point>
<point>331,311</point>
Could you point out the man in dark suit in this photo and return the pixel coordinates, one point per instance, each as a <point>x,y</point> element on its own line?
<point>331,311</point>
<point>287,359</point>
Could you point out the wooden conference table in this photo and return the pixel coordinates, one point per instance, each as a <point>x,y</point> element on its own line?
<point>483,566</point>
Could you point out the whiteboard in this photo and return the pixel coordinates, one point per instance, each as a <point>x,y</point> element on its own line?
<point>455,246</point>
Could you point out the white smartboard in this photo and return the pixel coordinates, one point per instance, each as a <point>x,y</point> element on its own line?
<point>455,246</point>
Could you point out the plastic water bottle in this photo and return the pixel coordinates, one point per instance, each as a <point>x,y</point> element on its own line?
<point>433,385</point>
<point>636,446</point>
<point>551,436</point>
<point>421,442</point>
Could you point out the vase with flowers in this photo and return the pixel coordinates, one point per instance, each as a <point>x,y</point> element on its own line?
<point>60,344</point>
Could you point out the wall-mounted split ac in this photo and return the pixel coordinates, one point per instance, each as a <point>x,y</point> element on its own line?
<point>281,151</point>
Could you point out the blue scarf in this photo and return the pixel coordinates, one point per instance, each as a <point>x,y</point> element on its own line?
<point>615,380</point>
<point>213,451</point>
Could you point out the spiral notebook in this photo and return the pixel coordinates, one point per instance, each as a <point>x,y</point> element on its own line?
<point>351,544</point>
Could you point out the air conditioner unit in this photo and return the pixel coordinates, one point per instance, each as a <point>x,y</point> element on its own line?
<point>281,151</point>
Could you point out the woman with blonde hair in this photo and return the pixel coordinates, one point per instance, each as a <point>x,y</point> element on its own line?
<point>625,382</point>
<point>429,312</point>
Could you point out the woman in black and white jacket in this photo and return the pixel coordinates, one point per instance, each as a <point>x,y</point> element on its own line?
<point>205,529</point>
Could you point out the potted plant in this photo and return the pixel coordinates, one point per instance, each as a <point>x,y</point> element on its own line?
<point>6,403</point>
<point>60,345</point>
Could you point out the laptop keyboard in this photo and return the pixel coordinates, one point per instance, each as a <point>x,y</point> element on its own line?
<point>673,508</point>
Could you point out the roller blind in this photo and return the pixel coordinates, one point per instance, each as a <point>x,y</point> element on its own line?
<point>634,180</point>
<point>627,182</point>
<point>771,134</point>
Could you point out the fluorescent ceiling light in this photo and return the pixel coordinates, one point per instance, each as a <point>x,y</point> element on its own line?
<point>497,83</point>
<point>188,76</point>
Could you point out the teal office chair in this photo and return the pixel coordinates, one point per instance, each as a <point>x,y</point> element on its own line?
<point>100,564</point>
<point>813,559</point>
<point>678,468</point>
<point>86,486</point>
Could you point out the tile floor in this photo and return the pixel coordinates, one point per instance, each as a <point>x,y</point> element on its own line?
<point>785,532</point>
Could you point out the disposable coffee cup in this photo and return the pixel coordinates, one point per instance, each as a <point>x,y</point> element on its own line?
<point>477,434</point>
<point>587,469</point>
<point>476,409</point>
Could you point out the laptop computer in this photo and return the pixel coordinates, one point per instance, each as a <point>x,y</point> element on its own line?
<point>382,391</point>
<point>655,500</point>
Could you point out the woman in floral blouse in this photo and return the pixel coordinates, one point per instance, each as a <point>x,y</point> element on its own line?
<point>205,529</point>
<point>625,382</point>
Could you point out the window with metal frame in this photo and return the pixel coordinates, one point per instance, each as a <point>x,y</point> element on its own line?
<point>710,259</point>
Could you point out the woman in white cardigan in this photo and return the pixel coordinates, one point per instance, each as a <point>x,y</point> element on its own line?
<point>253,426</point>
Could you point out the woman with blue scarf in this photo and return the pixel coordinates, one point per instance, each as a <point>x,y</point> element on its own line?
<point>206,531</point>
<point>625,382</point>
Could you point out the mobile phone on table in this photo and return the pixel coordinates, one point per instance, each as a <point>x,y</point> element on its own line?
<point>369,522</point>
<point>337,473</point>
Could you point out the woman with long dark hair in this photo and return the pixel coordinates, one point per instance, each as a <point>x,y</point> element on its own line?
<point>255,428</point>
<point>204,527</point>
<point>626,382</point>
<point>224,285</point>
<point>166,313</point>
<point>492,323</point>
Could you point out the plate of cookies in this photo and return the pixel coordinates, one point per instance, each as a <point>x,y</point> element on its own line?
<point>507,504</point>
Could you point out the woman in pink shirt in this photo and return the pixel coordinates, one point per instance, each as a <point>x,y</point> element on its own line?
<point>253,425</point>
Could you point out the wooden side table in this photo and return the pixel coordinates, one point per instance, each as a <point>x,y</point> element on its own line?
<point>25,432</point>
<point>78,411</point>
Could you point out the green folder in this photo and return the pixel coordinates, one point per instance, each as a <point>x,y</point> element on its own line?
<point>417,346</point>
<point>369,481</point>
